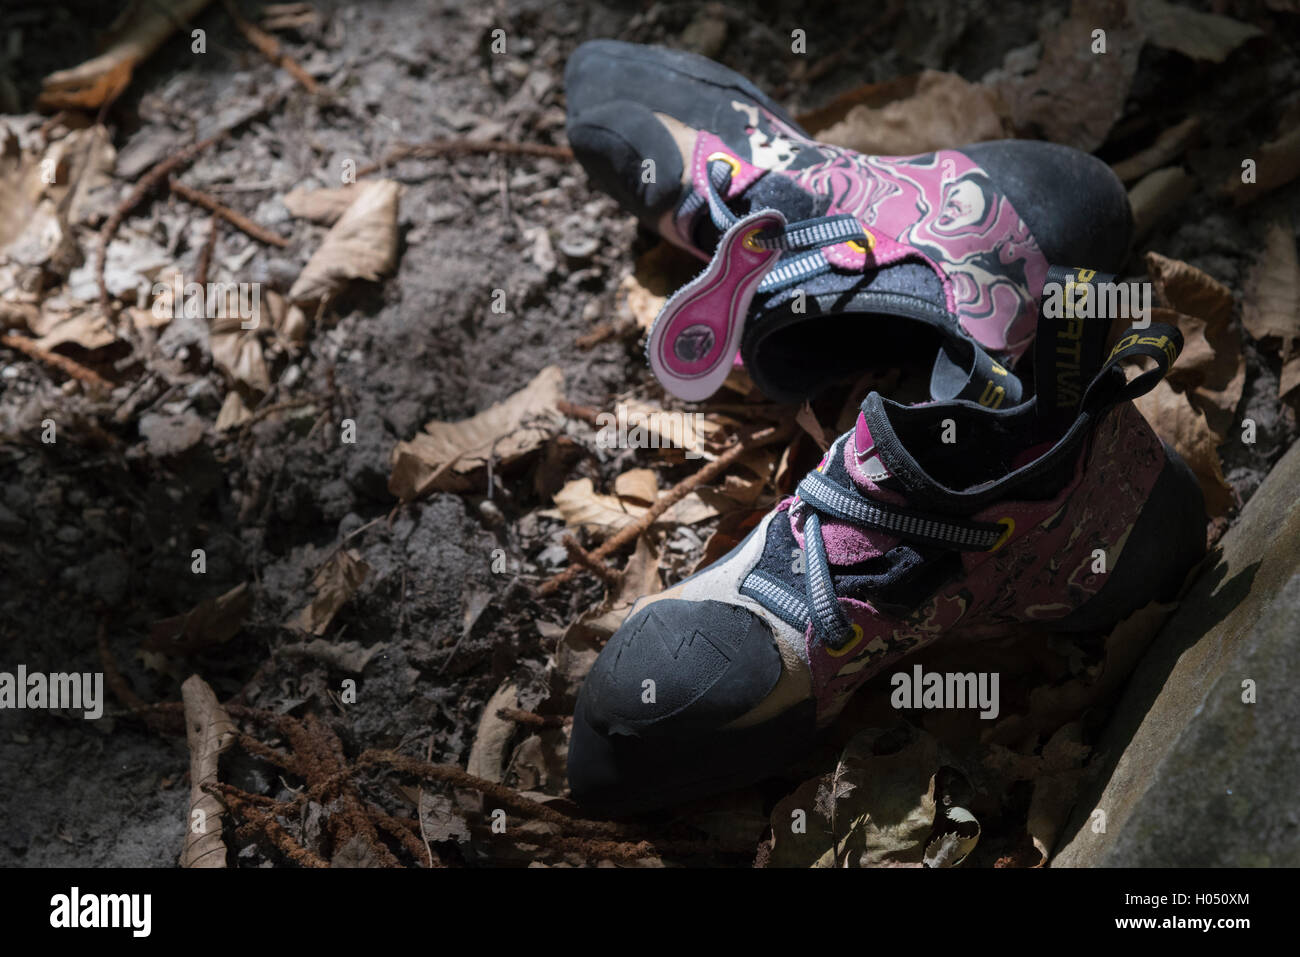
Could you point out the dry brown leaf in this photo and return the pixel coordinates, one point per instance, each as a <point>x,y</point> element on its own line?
<point>1271,307</point>
<point>1187,289</point>
<point>731,531</point>
<point>1212,367</point>
<point>640,579</point>
<point>234,412</point>
<point>1175,420</point>
<point>1169,145</point>
<point>84,326</point>
<point>361,245</point>
<point>322,206</point>
<point>334,583</point>
<point>349,656</point>
<point>238,353</point>
<point>1272,304</point>
<point>637,485</point>
<point>658,273</point>
<point>95,82</point>
<point>807,420</point>
<point>213,621</point>
<point>487,756</point>
<point>1201,36</point>
<point>581,506</point>
<point>885,802</point>
<point>639,424</point>
<point>446,454</point>
<point>1156,195</point>
<point>1277,162</point>
<point>941,109</point>
<point>1075,96</point>
<point>209,733</point>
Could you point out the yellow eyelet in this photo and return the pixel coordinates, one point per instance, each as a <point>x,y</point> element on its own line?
<point>857,637</point>
<point>749,242</point>
<point>728,159</point>
<point>857,247</point>
<point>1009,524</point>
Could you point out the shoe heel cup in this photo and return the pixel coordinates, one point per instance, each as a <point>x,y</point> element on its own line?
<point>1167,541</point>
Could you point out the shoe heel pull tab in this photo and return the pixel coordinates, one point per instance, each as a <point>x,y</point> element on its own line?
<point>1070,344</point>
<point>694,339</point>
<point>963,370</point>
<point>1157,340</point>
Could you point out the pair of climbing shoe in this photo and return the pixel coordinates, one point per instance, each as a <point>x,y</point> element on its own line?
<point>984,507</point>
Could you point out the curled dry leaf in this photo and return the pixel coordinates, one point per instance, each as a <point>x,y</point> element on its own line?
<point>234,412</point>
<point>581,506</point>
<point>881,795</point>
<point>487,756</point>
<point>1156,195</point>
<point>237,352</point>
<point>209,732</point>
<point>1201,36</point>
<point>1212,367</point>
<point>940,109</point>
<point>1189,290</point>
<point>213,621</point>
<point>445,456</point>
<point>1169,145</point>
<point>1276,163</point>
<point>637,485</point>
<point>349,656</point>
<point>95,82</point>
<point>958,833</point>
<point>658,273</point>
<point>1271,309</point>
<point>334,583</point>
<point>1075,95</point>
<point>640,579</point>
<point>322,206</point>
<point>79,324</point>
<point>639,425</point>
<point>361,245</point>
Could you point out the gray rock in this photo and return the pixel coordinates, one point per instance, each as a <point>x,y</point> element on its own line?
<point>1195,775</point>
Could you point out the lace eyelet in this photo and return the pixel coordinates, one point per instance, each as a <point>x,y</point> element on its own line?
<point>726,158</point>
<point>857,637</point>
<point>857,247</point>
<point>1009,527</point>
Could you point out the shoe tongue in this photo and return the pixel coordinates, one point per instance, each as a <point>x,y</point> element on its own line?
<point>863,460</point>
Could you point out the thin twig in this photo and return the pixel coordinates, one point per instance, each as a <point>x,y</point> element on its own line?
<point>67,366</point>
<point>205,254</point>
<point>533,720</point>
<point>629,533</point>
<point>147,183</point>
<point>580,556</point>
<point>270,48</point>
<point>238,220</point>
<point>460,147</point>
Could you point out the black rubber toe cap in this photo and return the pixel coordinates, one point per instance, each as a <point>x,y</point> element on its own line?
<point>678,665</point>
<point>694,89</point>
<point>1072,202</point>
<point>648,726</point>
<point>613,141</point>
